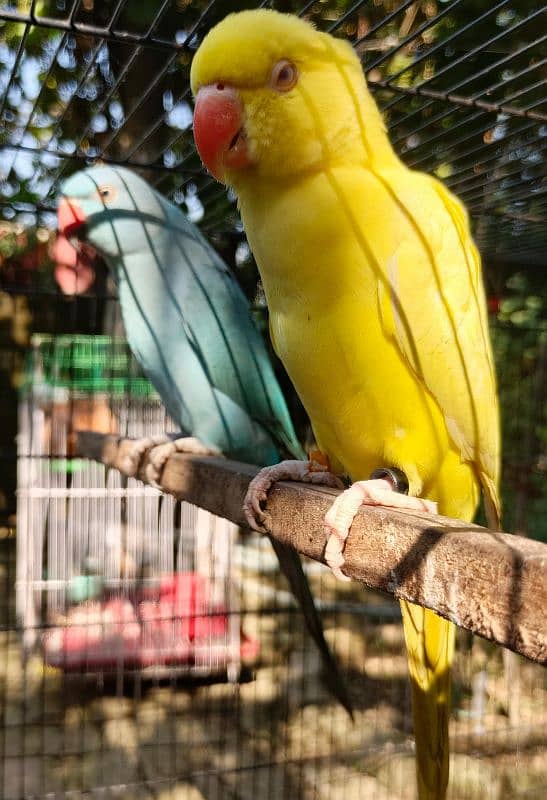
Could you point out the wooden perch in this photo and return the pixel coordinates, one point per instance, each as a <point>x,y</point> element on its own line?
<point>493,584</point>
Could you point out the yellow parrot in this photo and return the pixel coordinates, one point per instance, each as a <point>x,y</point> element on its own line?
<point>376,302</point>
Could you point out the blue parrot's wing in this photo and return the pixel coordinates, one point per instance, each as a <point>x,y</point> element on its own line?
<point>190,326</point>
<point>180,373</point>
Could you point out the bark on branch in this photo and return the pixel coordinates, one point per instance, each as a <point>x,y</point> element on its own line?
<point>493,584</point>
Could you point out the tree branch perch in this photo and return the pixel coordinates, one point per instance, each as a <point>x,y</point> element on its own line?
<point>493,584</point>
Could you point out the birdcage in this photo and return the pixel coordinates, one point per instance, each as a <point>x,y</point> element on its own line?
<point>122,610</point>
<point>105,580</point>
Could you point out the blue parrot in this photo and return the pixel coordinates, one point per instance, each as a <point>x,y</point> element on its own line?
<point>189,325</point>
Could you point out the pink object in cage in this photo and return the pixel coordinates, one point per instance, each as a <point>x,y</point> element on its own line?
<point>174,625</point>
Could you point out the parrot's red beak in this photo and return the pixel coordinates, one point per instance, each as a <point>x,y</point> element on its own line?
<point>219,131</point>
<point>74,271</point>
<point>70,216</point>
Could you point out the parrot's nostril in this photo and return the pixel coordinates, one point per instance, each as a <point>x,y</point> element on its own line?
<point>220,87</point>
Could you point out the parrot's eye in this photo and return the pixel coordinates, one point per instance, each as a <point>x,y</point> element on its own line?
<point>106,192</point>
<point>284,76</point>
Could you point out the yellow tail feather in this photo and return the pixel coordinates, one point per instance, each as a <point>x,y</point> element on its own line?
<point>430,648</point>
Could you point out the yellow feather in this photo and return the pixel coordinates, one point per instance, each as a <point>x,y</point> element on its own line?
<point>430,649</point>
<point>376,302</point>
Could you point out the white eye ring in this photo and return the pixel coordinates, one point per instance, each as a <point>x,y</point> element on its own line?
<point>284,76</point>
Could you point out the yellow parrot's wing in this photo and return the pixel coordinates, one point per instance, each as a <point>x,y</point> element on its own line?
<point>435,310</point>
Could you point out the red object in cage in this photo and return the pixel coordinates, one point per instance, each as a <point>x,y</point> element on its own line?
<point>175,625</point>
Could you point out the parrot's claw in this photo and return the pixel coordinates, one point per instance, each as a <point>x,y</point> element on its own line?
<point>340,515</point>
<point>134,450</point>
<point>257,493</point>
<point>167,447</point>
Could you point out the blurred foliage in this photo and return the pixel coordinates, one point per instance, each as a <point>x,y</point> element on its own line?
<point>25,262</point>
<point>519,338</point>
<point>75,94</point>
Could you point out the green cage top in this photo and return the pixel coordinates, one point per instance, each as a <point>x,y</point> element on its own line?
<point>84,364</point>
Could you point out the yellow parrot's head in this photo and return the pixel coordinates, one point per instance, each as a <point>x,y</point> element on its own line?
<point>275,98</point>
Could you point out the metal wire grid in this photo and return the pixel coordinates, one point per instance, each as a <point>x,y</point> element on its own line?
<point>275,737</point>
<point>461,84</point>
<point>232,742</point>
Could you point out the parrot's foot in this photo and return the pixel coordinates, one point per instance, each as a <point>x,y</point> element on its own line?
<point>134,449</point>
<point>162,451</point>
<point>306,471</point>
<point>338,519</point>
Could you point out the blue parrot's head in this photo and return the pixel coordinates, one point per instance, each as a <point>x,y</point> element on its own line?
<point>112,202</point>
<point>103,209</point>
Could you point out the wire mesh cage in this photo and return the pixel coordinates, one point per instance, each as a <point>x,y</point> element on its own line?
<point>102,577</point>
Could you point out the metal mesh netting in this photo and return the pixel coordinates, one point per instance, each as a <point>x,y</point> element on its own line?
<point>462,87</point>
